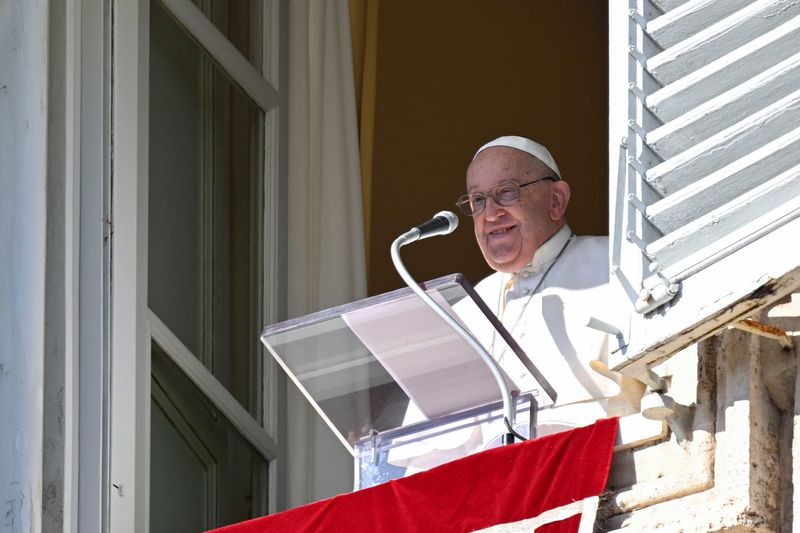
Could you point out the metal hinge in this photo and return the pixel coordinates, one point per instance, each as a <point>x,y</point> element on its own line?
<point>657,296</point>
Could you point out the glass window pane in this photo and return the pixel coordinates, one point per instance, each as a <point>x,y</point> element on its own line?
<point>180,477</point>
<point>203,472</point>
<point>205,209</point>
<point>175,199</point>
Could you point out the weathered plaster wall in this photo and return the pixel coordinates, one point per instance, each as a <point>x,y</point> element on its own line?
<point>731,467</point>
<point>23,115</point>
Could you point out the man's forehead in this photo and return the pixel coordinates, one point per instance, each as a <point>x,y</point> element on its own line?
<point>497,165</point>
<point>499,182</point>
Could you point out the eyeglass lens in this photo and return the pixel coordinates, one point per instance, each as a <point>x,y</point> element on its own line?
<point>505,195</point>
<point>472,204</point>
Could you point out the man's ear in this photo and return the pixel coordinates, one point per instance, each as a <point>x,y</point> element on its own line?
<point>559,199</point>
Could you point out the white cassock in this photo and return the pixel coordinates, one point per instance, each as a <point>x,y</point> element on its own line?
<point>547,304</point>
<point>545,307</point>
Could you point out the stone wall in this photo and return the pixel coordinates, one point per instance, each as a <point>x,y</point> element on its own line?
<point>727,462</point>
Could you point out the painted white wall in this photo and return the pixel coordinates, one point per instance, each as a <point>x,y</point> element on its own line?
<point>23,151</point>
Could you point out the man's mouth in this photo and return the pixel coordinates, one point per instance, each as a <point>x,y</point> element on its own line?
<point>501,231</point>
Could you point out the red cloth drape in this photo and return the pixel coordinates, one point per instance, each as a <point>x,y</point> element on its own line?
<point>497,486</point>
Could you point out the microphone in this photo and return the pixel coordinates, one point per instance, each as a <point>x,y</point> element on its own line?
<point>442,223</point>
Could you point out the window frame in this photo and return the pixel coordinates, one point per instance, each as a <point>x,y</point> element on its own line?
<point>132,326</point>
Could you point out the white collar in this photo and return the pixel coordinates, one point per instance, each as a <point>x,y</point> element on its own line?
<point>547,252</point>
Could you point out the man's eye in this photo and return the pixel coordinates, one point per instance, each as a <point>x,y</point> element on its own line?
<point>477,200</point>
<point>506,194</point>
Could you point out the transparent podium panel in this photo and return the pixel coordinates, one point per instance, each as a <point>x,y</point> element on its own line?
<point>366,365</point>
<point>417,447</point>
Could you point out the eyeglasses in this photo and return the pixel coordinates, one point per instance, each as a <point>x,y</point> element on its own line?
<point>474,203</point>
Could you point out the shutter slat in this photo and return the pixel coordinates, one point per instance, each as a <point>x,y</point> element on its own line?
<point>723,111</point>
<point>726,73</point>
<point>719,39</point>
<point>733,224</point>
<point>669,5</point>
<point>682,22</point>
<point>727,146</point>
<point>726,184</point>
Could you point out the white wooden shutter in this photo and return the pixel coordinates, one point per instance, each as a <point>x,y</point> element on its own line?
<point>705,166</point>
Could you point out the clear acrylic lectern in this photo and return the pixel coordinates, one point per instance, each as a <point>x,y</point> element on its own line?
<point>399,388</point>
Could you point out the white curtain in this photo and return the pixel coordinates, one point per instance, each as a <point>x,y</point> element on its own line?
<point>326,230</point>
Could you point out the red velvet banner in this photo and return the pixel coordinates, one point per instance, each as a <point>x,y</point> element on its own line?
<point>497,486</point>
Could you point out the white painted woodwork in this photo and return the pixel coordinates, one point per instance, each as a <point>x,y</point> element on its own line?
<point>726,109</point>
<point>719,38</point>
<point>223,400</point>
<point>129,417</point>
<point>706,181</point>
<point>722,228</point>
<point>224,52</point>
<point>681,22</point>
<point>725,146</point>
<point>62,298</point>
<point>668,5</point>
<point>273,36</point>
<point>737,293</point>
<point>726,184</point>
<point>274,48</point>
<point>269,295</point>
<point>728,72</point>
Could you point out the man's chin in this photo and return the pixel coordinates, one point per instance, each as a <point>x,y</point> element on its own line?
<point>506,267</point>
<point>508,263</point>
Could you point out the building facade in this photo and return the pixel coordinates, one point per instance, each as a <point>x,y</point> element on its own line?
<point>162,200</point>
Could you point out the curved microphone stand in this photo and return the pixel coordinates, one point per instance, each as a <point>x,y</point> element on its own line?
<point>448,224</point>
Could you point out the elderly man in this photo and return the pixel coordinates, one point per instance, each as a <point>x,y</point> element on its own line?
<point>547,280</point>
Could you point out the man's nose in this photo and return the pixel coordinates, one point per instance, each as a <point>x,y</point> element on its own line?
<point>492,209</point>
